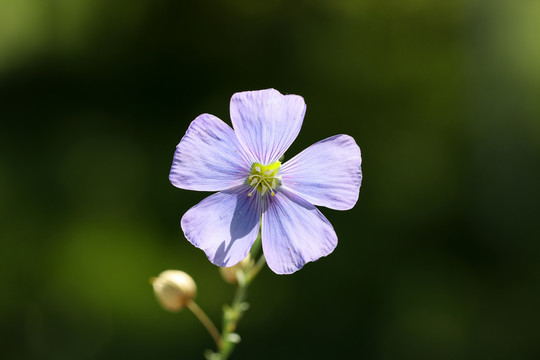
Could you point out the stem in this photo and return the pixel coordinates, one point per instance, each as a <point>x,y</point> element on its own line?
<point>256,268</point>
<point>233,314</point>
<point>205,320</point>
<point>256,246</point>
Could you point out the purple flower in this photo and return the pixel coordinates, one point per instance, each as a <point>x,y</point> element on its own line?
<point>256,190</point>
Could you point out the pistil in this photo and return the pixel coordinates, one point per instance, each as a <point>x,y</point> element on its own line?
<point>264,178</point>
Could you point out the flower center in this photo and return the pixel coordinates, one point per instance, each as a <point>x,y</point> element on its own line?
<point>264,178</point>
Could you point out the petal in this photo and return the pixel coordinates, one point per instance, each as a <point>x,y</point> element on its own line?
<point>209,157</point>
<point>294,232</point>
<point>224,225</point>
<point>266,122</point>
<point>327,173</point>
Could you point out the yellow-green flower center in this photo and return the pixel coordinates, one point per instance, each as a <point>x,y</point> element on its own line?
<point>264,178</point>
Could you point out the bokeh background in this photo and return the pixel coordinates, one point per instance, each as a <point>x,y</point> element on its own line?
<point>438,260</point>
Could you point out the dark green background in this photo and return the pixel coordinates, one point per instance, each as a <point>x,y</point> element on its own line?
<point>438,260</point>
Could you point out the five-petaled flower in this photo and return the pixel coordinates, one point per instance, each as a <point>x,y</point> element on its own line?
<point>256,191</point>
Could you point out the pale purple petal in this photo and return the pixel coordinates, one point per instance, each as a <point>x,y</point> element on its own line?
<point>224,225</point>
<point>266,122</point>
<point>294,232</point>
<point>209,157</point>
<point>327,173</point>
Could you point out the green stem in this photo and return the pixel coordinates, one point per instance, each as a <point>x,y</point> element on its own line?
<point>205,320</point>
<point>233,313</point>
<point>257,267</point>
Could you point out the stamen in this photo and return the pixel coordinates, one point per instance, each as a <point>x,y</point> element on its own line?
<point>252,191</point>
<point>263,178</point>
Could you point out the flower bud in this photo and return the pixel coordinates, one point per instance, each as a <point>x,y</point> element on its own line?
<point>174,289</point>
<point>230,274</point>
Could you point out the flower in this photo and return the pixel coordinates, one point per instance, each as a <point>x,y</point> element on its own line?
<point>256,191</point>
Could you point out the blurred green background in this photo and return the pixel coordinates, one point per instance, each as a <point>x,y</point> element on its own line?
<point>438,260</point>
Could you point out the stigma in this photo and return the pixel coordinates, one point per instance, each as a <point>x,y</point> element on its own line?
<point>264,178</point>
